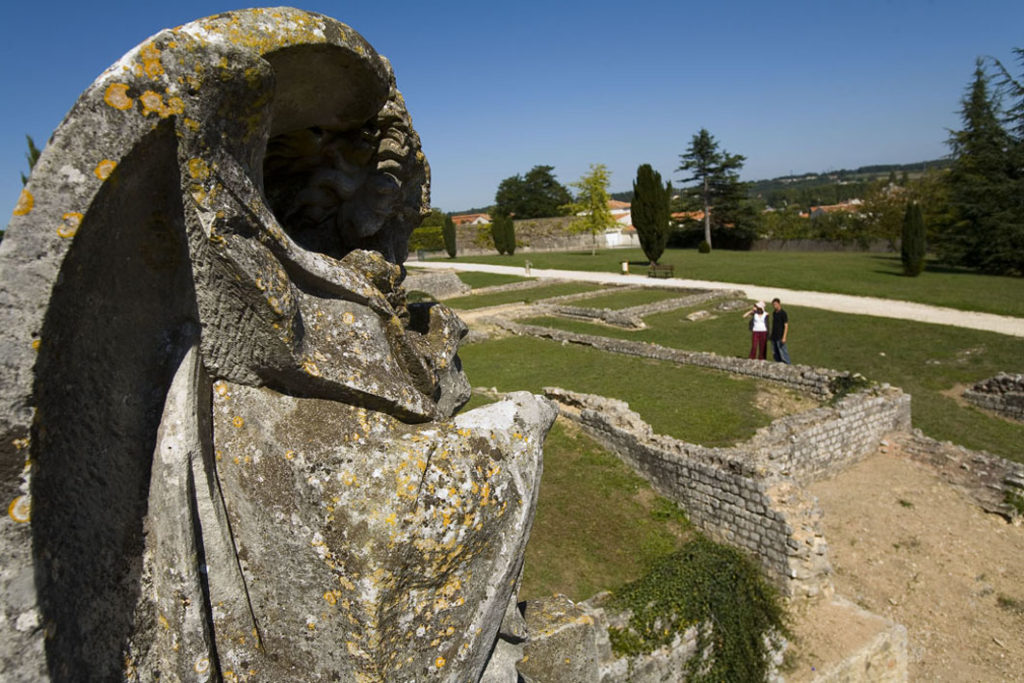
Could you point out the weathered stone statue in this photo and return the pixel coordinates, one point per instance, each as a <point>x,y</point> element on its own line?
<point>226,442</point>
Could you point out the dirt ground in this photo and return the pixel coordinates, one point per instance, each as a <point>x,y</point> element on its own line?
<point>906,545</point>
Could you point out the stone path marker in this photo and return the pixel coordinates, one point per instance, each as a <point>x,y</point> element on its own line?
<point>226,441</point>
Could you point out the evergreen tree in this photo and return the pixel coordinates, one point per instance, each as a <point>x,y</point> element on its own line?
<point>988,229</point>
<point>537,195</point>
<point>32,156</point>
<point>912,245</point>
<point>591,206</point>
<point>504,234</point>
<point>650,211</point>
<point>715,171</point>
<point>448,233</point>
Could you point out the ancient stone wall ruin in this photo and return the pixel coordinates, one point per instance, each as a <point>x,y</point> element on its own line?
<point>1002,394</point>
<point>751,495</point>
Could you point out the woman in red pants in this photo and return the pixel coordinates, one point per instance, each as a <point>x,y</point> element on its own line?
<point>758,331</point>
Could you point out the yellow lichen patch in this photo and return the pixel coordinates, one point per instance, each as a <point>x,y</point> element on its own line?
<point>69,224</point>
<point>310,368</point>
<point>332,597</point>
<point>25,203</point>
<point>149,61</point>
<point>238,421</point>
<point>104,169</point>
<point>348,479</point>
<point>202,665</point>
<point>439,662</point>
<point>36,343</point>
<point>198,169</point>
<point>117,96</point>
<point>221,388</point>
<point>192,125</point>
<point>153,103</point>
<point>289,455</point>
<point>20,509</point>
<point>348,318</point>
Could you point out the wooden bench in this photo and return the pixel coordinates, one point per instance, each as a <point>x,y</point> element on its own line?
<point>661,271</point>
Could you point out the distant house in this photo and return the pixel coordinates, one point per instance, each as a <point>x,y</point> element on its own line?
<point>471,219</point>
<point>680,216</point>
<point>852,206</point>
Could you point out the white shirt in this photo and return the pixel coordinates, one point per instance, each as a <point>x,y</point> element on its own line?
<point>760,322</point>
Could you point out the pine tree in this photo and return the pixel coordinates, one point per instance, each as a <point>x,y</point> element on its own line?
<point>716,172</point>
<point>650,211</point>
<point>988,230</point>
<point>32,156</point>
<point>448,233</point>
<point>912,245</point>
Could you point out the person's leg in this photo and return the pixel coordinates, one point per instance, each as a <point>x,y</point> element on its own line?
<point>753,346</point>
<point>763,348</point>
<point>784,353</point>
<point>775,350</point>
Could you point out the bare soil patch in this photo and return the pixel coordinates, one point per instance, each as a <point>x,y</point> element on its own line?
<point>906,545</point>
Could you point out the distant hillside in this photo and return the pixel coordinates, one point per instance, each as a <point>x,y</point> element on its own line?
<point>825,187</point>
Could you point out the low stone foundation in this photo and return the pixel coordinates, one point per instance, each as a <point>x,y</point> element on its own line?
<point>820,383</point>
<point>994,483</point>
<point>633,317</point>
<point>1002,394</point>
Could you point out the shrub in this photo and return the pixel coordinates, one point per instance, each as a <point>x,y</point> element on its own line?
<point>426,237</point>
<point>704,247</point>
<point>738,614</point>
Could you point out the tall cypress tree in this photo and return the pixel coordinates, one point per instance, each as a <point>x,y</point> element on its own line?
<point>448,233</point>
<point>650,211</point>
<point>912,244</point>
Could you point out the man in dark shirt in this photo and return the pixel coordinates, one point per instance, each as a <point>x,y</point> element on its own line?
<point>780,330</point>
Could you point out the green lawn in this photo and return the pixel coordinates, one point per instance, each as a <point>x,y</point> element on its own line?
<point>581,544</point>
<point>667,396</point>
<point>924,360</point>
<point>481,280</point>
<point>878,275</point>
<point>528,295</point>
<point>616,299</point>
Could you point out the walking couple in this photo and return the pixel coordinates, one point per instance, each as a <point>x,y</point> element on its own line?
<point>759,331</point>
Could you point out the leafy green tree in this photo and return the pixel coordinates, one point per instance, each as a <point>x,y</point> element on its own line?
<point>32,156</point>
<point>448,233</point>
<point>912,245</point>
<point>715,171</point>
<point>987,232</point>
<point>536,195</point>
<point>591,206</point>
<point>650,210</point>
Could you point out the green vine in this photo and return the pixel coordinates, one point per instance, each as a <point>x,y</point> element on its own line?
<point>740,617</point>
<point>1014,500</point>
<point>842,385</point>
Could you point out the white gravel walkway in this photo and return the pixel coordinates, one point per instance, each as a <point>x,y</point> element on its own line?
<point>841,303</point>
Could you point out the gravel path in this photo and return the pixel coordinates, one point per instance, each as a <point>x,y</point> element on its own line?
<point>841,303</point>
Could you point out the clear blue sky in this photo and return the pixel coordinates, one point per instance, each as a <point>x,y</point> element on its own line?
<point>495,89</point>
